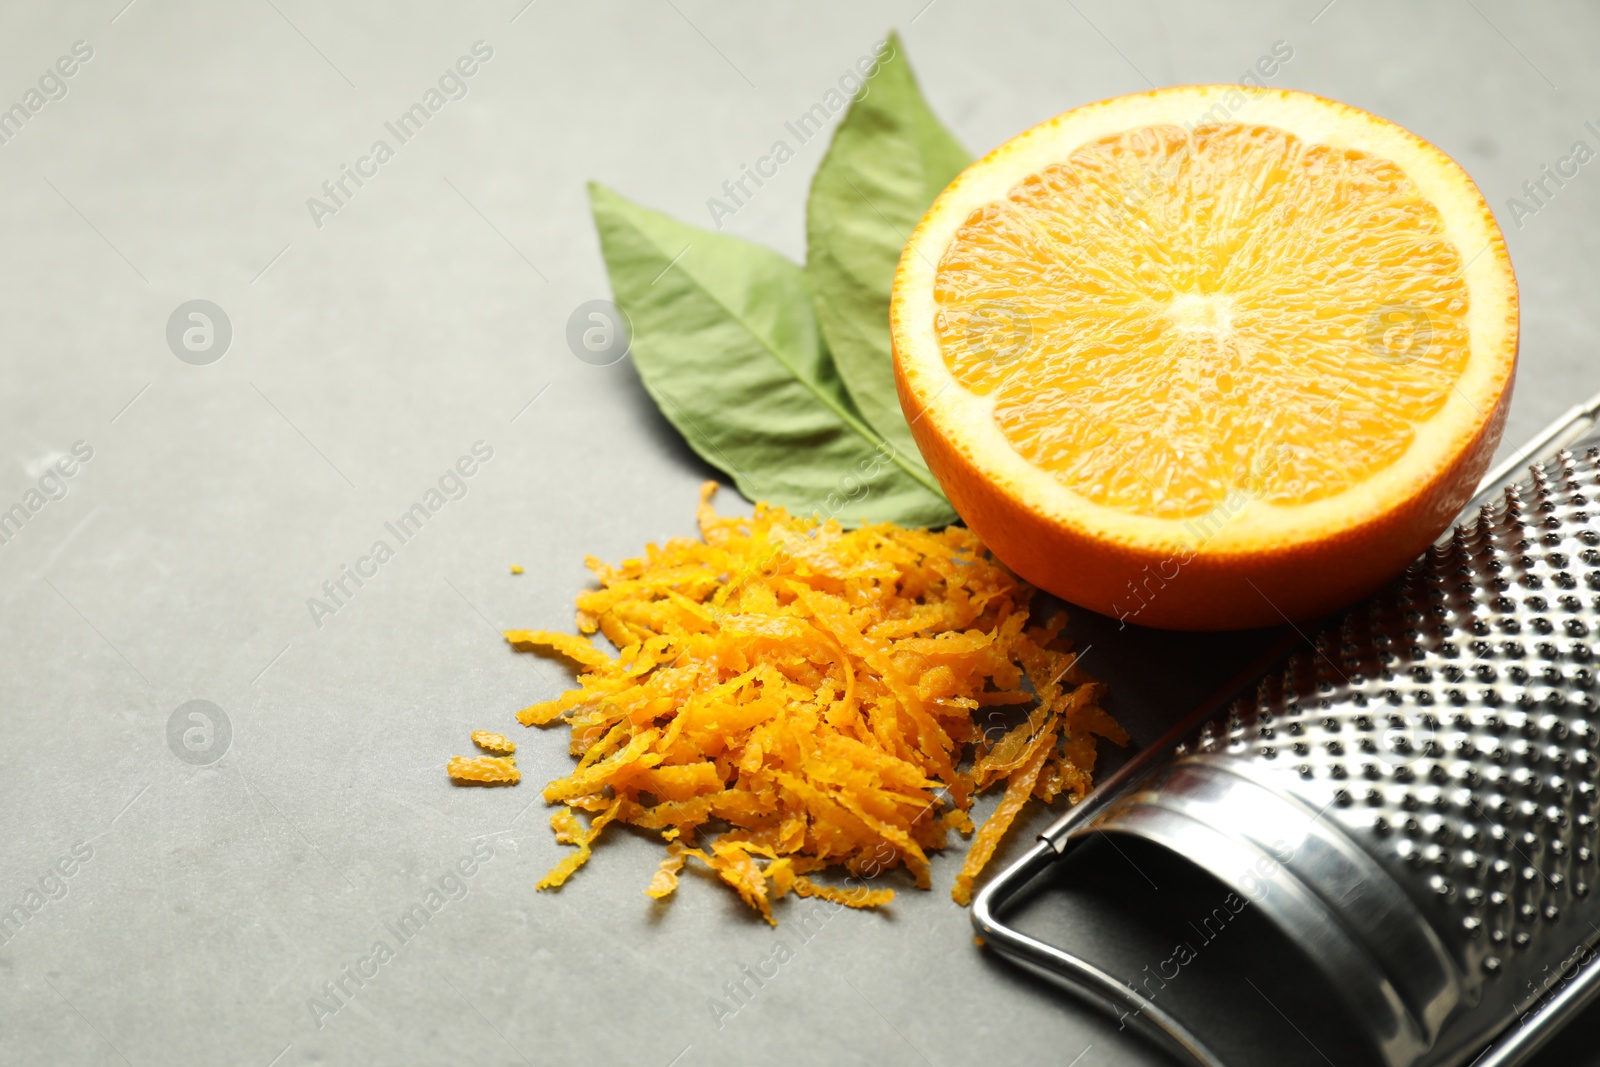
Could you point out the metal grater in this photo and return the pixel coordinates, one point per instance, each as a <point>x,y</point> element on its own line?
<point>1412,793</point>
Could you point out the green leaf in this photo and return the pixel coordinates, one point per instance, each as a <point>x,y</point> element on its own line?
<point>726,342</point>
<point>889,159</point>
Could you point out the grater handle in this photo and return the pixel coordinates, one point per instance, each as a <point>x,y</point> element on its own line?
<point>1082,977</point>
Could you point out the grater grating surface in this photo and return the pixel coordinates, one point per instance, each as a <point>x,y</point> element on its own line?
<point>1446,725</point>
<point>1414,790</point>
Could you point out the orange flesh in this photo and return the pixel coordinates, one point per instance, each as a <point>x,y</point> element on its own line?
<point>1168,318</point>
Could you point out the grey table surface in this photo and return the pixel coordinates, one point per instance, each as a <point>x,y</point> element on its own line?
<point>373,345</point>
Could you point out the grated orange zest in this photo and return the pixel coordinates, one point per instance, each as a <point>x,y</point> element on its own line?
<point>854,898</point>
<point>485,770</point>
<point>666,879</point>
<point>493,742</point>
<point>790,696</point>
<point>569,831</point>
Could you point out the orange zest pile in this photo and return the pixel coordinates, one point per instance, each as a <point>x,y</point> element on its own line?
<point>792,696</point>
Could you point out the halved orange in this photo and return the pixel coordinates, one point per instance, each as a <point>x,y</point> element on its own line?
<point>1208,357</point>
